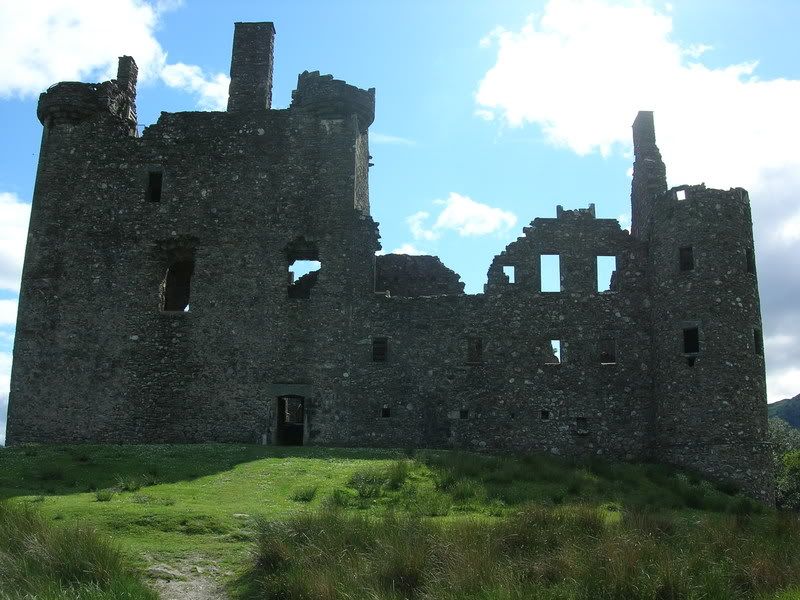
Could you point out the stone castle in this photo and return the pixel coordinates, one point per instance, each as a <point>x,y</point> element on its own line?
<point>157,302</point>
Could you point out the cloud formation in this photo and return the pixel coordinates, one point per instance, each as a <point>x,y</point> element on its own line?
<point>5,378</point>
<point>407,249</point>
<point>583,68</point>
<point>394,140</point>
<point>463,215</point>
<point>48,41</point>
<point>14,216</point>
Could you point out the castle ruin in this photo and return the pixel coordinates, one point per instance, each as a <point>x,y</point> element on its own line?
<point>157,303</point>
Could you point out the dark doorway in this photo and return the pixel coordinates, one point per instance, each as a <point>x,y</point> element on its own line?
<point>291,419</point>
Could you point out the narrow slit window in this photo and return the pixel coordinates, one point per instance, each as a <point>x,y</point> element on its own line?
<point>606,267</point>
<point>550,272</point>
<point>553,353</point>
<point>380,349</point>
<point>176,286</point>
<point>474,350</point>
<point>463,413</point>
<point>750,258</point>
<point>691,343</point>
<point>608,351</point>
<point>544,415</point>
<point>510,271</point>
<point>154,184</point>
<point>758,342</point>
<point>686,258</point>
<point>385,412</point>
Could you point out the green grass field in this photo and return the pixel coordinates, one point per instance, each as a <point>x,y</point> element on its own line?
<point>424,524</point>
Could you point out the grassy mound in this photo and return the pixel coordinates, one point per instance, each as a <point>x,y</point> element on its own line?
<point>48,562</point>
<point>575,552</point>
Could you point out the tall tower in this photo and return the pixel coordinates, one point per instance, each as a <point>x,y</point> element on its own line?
<point>708,363</point>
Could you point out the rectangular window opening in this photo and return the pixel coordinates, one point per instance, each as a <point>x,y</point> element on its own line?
<point>510,271</point>
<point>750,258</point>
<point>758,342</point>
<point>463,413</point>
<point>686,258</point>
<point>691,340</point>
<point>385,412</point>
<point>606,268</point>
<point>154,184</point>
<point>581,426</point>
<point>544,415</point>
<point>680,194</point>
<point>608,351</point>
<point>474,350</point>
<point>550,272</point>
<point>176,286</point>
<point>380,349</point>
<point>553,353</point>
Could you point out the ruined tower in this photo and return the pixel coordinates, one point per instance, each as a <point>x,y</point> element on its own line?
<point>161,299</point>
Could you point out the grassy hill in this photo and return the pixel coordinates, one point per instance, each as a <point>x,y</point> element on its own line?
<point>788,410</point>
<point>340,523</point>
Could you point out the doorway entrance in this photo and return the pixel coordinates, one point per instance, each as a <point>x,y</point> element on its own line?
<point>291,421</point>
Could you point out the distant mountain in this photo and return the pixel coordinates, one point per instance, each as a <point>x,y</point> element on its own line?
<point>788,410</point>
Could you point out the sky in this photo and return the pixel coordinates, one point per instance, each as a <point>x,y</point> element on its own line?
<point>489,113</point>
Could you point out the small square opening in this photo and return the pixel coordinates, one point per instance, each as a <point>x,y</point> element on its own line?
<point>581,426</point>
<point>510,271</point>
<point>386,412</point>
<point>154,185</point>
<point>463,413</point>
<point>608,351</point>
<point>553,353</point>
<point>380,349</point>
<point>680,194</point>
<point>544,414</point>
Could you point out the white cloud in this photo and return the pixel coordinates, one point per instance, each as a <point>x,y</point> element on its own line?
<point>407,249</point>
<point>463,215</point>
<point>212,89</point>
<point>5,378</point>
<point>8,312</point>
<point>14,216</point>
<point>590,65</point>
<point>48,41</point>
<point>382,138</point>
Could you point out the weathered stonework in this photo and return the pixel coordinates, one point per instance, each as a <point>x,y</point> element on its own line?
<point>206,211</point>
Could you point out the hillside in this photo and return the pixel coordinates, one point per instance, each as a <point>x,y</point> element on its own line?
<point>788,410</point>
<point>350,523</point>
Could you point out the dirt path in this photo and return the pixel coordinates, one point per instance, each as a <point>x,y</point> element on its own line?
<point>186,580</point>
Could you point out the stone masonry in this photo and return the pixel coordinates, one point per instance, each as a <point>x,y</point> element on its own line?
<point>157,303</point>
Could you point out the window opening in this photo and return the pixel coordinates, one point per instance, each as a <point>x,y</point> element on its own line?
<point>463,414</point>
<point>154,184</point>
<point>680,194</point>
<point>385,412</point>
<point>380,349</point>
<point>686,258</point>
<point>691,344</point>
<point>606,267</point>
<point>474,350</point>
<point>608,351</point>
<point>750,258</point>
<point>550,272</point>
<point>553,353</point>
<point>510,271</point>
<point>304,266</point>
<point>581,426</point>
<point>544,415</point>
<point>176,286</point>
<point>758,342</point>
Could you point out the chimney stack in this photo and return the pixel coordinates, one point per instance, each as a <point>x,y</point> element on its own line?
<point>251,67</point>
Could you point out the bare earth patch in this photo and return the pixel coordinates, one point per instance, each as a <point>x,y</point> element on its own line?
<point>186,580</point>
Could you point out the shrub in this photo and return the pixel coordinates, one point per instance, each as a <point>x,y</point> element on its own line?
<point>397,474</point>
<point>367,483</point>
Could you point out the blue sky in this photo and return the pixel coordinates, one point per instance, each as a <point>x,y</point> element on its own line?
<point>488,113</point>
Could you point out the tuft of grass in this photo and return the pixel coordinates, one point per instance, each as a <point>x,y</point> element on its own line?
<point>304,494</point>
<point>44,561</point>
<point>104,495</point>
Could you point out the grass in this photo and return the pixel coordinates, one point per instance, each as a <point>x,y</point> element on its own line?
<point>48,562</point>
<point>171,503</point>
